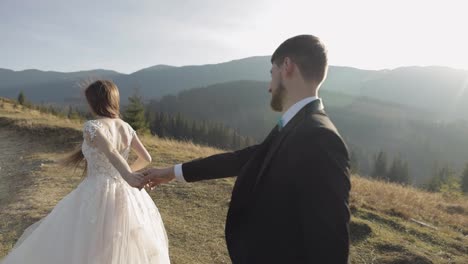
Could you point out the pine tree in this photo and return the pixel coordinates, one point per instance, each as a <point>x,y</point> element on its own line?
<point>464,179</point>
<point>72,114</point>
<point>435,182</point>
<point>235,141</point>
<point>201,132</point>
<point>398,172</point>
<point>354,163</point>
<point>52,110</point>
<point>195,132</point>
<point>135,113</point>
<point>380,166</point>
<point>392,174</point>
<point>404,174</point>
<point>21,98</point>
<point>443,178</point>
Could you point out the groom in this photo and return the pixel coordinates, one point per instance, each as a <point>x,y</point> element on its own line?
<point>290,200</point>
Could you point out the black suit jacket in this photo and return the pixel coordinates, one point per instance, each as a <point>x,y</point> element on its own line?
<point>290,200</point>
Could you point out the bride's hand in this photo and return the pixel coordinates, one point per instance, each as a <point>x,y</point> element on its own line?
<point>136,180</point>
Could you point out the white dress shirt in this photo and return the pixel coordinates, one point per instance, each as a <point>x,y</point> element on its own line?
<point>287,116</point>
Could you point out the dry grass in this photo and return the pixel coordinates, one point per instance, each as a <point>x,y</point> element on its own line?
<point>32,118</point>
<point>194,214</point>
<point>408,202</point>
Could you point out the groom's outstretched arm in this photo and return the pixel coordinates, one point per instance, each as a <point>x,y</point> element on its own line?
<point>217,166</point>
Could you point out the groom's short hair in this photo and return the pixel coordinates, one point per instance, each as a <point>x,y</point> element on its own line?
<point>308,53</point>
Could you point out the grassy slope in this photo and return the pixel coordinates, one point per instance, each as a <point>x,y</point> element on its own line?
<point>383,229</point>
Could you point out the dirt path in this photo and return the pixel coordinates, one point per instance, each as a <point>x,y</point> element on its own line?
<point>13,166</point>
<point>28,184</point>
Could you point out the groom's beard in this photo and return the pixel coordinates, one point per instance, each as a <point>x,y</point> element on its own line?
<point>277,98</point>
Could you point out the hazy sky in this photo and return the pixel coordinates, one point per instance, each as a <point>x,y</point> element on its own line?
<point>68,35</point>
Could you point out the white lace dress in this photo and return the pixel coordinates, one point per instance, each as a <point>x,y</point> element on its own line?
<point>103,220</point>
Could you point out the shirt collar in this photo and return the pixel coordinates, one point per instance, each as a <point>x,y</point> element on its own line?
<point>292,111</point>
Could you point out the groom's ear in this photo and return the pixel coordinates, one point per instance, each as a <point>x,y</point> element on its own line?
<point>288,67</point>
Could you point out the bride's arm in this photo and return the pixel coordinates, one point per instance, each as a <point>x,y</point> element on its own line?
<point>98,140</point>
<point>144,158</point>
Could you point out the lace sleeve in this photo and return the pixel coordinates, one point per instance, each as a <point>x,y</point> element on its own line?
<point>90,129</point>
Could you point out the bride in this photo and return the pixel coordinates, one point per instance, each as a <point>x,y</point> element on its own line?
<point>105,220</point>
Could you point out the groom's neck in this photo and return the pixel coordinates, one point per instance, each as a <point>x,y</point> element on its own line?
<point>292,99</point>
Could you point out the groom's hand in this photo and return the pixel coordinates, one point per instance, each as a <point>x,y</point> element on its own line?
<point>155,176</point>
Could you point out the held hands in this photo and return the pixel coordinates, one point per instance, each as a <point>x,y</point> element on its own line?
<point>150,177</point>
<point>136,180</point>
<point>155,176</point>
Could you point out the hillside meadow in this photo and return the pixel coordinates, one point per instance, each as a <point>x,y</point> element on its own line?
<point>390,223</point>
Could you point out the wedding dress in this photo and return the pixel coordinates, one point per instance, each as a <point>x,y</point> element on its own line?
<point>103,221</point>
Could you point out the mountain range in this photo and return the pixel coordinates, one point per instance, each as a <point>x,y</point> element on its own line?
<point>439,90</point>
<point>419,113</point>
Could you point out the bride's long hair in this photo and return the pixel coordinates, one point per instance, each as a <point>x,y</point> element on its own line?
<point>103,98</point>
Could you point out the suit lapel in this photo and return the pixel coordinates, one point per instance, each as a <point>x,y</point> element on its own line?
<point>312,107</point>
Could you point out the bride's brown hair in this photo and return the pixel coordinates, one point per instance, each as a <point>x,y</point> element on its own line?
<point>103,99</point>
